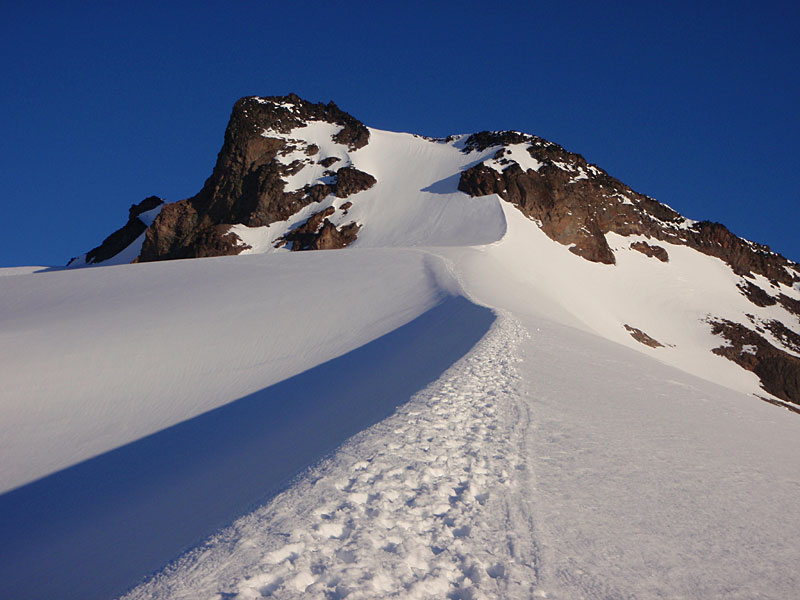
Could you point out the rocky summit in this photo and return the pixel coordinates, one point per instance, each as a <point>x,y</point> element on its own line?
<point>294,175</point>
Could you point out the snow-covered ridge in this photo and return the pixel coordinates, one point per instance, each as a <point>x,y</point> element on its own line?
<point>407,507</point>
<point>111,344</point>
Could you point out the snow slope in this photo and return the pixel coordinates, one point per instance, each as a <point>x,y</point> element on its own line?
<point>651,483</point>
<point>414,203</point>
<point>151,360</point>
<point>550,462</point>
<point>426,503</point>
<point>547,463</point>
<point>95,358</point>
<point>669,301</point>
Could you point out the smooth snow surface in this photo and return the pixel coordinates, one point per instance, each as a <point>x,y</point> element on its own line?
<point>547,463</point>
<point>650,483</point>
<point>95,358</point>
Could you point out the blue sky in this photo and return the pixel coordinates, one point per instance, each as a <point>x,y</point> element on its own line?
<point>103,106</point>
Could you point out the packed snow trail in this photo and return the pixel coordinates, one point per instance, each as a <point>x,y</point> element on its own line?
<point>429,503</point>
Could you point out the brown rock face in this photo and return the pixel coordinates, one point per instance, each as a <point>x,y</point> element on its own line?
<point>641,337</point>
<point>125,235</point>
<point>787,337</point>
<point>567,214</point>
<point>778,371</point>
<point>247,184</point>
<point>350,181</point>
<point>327,162</point>
<point>744,257</point>
<point>576,204</point>
<point>790,304</point>
<point>332,238</point>
<point>755,294</point>
<point>318,233</point>
<point>760,297</point>
<point>651,251</point>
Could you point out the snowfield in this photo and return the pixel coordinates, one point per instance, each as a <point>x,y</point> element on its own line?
<point>451,408</point>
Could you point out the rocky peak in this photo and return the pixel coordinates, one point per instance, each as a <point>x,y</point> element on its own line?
<point>249,183</point>
<point>280,114</point>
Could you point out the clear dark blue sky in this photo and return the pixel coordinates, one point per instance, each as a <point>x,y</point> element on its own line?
<point>103,106</point>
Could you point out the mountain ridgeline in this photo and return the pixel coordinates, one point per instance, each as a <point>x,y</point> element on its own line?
<point>269,172</point>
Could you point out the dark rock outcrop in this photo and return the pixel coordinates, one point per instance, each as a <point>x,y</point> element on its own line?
<point>350,180</point>
<point>125,235</point>
<point>788,407</point>
<point>486,139</point>
<point>787,337</point>
<point>641,337</point>
<point>331,237</point>
<point>650,250</point>
<point>755,294</point>
<point>778,370</point>
<point>566,214</point>
<point>790,304</point>
<point>302,236</point>
<point>577,203</point>
<point>247,184</point>
<point>319,233</point>
<point>745,258</point>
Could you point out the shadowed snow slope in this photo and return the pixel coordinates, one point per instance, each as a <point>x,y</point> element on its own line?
<point>95,358</point>
<point>430,503</point>
<point>93,529</point>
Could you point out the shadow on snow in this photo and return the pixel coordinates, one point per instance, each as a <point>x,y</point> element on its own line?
<point>95,529</point>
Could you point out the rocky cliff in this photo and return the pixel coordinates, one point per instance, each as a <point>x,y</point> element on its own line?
<point>248,184</point>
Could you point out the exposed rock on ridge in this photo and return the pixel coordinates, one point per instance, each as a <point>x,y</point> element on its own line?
<point>641,337</point>
<point>651,250</point>
<point>778,370</point>
<point>248,182</point>
<point>319,233</point>
<point>125,235</point>
<point>577,203</point>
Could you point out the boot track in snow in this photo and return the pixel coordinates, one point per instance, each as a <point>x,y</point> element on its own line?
<point>426,504</point>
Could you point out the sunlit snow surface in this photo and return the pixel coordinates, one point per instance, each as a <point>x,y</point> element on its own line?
<point>558,458</point>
